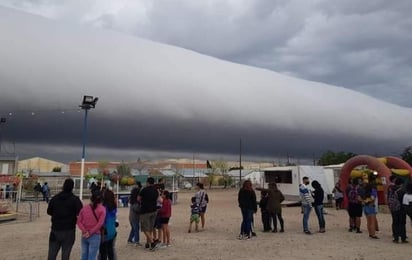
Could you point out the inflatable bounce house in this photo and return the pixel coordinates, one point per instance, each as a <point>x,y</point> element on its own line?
<point>369,168</point>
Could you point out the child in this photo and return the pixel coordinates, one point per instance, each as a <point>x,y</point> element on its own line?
<point>194,217</point>
<point>165,212</point>
<point>157,229</point>
<point>263,203</point>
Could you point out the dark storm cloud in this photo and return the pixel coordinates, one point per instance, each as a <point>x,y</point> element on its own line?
<point>156,98</point>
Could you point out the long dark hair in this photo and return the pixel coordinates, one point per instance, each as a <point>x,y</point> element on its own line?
<point>316,185</point>
<point>96,198</point>
<point>109,200</point>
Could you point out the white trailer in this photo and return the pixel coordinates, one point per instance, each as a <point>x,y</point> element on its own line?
<point>288,179</point>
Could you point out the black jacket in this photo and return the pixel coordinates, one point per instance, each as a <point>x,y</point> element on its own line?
<point>63,209</point>
<point>247,199</point>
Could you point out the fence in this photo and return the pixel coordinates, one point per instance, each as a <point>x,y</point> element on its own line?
<point>24,210</point>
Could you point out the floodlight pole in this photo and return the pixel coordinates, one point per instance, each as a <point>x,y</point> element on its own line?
<point>88,103</point>
<point>83,152</point>
<point>240,163</point>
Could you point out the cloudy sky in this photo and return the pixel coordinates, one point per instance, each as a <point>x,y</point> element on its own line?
<point>362,46</point>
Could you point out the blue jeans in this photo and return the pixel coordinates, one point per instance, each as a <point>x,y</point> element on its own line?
<point>134,235</point>
<point>247,216</point>
<point>90,247</point>
<point>321,217</point>
<point>306,212</point>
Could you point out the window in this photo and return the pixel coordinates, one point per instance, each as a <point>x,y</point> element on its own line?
<point>278,176</point>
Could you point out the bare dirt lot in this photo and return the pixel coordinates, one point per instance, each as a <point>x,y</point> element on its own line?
<point>219,240</point>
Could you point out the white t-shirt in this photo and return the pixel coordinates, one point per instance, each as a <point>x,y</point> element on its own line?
<point>407,199</point>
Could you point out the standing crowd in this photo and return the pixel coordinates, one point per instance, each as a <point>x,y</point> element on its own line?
<point>150,211</point>
<point>361,197</point>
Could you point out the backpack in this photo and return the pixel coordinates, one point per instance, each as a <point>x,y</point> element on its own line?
<point>353,195</point>
<point>393,200</point>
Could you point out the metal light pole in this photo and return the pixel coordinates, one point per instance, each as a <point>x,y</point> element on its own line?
<point>240,163</point>
<point>88,103</point>
<point>2,121</point>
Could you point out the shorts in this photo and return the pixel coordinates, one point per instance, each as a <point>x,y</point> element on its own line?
<point>147,221</point>
<point>369,210</point>
<point>355,210</point>
<point>164,221</point>
<point>194,218</point>
<point>203,209</point>
<point>157,224</point>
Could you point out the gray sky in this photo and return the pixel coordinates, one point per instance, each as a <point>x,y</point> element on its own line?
<point>363,47</point>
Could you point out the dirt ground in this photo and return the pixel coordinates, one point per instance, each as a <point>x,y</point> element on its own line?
<point>219,240</point>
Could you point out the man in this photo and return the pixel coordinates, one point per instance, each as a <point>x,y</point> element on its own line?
<point>307,201</point>
<point>148,198</point>
<point>63,209</point>
<point>394,196</point>
<point>134,217</point>
<point>46,192</point>
<point>353,193</point>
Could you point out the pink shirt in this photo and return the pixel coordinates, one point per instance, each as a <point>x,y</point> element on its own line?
<point>87,221</point>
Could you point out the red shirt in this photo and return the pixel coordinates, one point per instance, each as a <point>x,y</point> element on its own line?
<point>166,210</point>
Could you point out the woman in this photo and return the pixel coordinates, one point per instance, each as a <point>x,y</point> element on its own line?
<point>318,196</point>
<point>165,212</point>
<point>369,209</point>
<point>248,206</point>
<point>275,198</point>
<point>407,201</point>
<point>202,199</point>
<point>90,220</point>
<point>106,249</point>
<point>338,194</point>
<point>134,235</point>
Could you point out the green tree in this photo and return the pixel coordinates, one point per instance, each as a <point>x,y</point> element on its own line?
<point>123,170</point>
<point>57,169</point>
<point>330,157</point>
<point>406,155</point>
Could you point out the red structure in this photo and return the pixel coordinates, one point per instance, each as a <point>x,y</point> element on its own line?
<point>383,170</point>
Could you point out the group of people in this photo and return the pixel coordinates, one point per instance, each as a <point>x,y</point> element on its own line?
<point>151,209</point>
<point>362,198</point>
<point>9,192</point>
<point>97,222</point>
<point>271,209</point>
<point>42,189</point>
<point>150,212</point>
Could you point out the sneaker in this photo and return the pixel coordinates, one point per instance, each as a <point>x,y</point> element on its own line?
<point>240,237</point>
<point>130,242</point>
<point>405,241</point>
<point>161,245</point>
<point>147,246</point>
<point>395,241</point>
<point>307,232</point>
<point>247,238</point>
<point>274,231</point>
<point>253,234</point>
<point>374,237</point>
<point>138,244</point>
<point>154,245</point>
<point>282,230</point>
<point>359,231</point>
